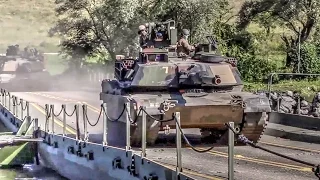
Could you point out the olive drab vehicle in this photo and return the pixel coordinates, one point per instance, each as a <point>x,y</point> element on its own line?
<point>23,70</point>
<point>206,89</point>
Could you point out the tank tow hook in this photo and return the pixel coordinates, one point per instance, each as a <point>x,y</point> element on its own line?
<point>237,129</point>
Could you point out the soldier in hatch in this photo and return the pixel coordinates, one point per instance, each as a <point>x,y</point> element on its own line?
<point>183,47</point>
<point>17,49</point>
<point>143,39</point>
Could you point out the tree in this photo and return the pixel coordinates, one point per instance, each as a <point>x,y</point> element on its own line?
<point>199,16</point>
<point>91,26</point>
<point>293,14</point>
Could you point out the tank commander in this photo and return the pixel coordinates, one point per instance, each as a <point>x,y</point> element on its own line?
<point>143,39</point>
<point>183,46</point>
<point>17,49</point>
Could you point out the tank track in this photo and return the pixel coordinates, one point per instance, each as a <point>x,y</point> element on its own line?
<point>252,127</point>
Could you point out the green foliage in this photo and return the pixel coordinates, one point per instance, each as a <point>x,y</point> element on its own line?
<point>88,27</point>
<point>96,32</point>
<point>253,69</point>
<point>309,59</point>
<point>298,16</point>
<point>306,88</point>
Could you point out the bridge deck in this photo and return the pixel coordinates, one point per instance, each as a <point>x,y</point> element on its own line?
<point>249,163</point>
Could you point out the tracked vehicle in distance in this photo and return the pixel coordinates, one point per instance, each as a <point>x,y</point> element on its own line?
<point>206,89</point>
<point>23,71</point>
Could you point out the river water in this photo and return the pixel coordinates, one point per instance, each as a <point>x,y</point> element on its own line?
<point>28,171</point>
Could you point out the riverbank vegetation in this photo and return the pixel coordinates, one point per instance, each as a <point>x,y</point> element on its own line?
<point>263,35</point>
<point>27,23</point>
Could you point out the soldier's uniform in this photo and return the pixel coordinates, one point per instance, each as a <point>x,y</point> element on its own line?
<point>316,105</point>
<point>274,100</point>
<point>287,103</point>
<point>183,47</point>
<point>304,107</point>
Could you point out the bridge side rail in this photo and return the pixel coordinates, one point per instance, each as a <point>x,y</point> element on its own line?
<point>78,152</point>
<point>16,111</point>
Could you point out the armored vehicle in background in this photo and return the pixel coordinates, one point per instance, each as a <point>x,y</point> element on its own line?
<point>23,71</point>
<point>206,89</point>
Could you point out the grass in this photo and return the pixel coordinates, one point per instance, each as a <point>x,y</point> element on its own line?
<point>26,22</point>
<point>7,174</point>
<point>305,87</point>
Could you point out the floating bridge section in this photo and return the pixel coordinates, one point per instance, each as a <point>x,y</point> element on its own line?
<point>71,154</point>
<point>75,158</point>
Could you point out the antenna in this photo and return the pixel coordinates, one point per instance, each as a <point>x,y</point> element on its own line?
<point>299,42</point>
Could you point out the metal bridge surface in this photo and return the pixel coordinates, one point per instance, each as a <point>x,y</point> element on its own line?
<point>250,163</point>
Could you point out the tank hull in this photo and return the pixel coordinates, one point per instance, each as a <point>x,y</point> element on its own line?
<point>209,113</point>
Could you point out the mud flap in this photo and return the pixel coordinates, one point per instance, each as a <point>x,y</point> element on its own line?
<point>254,125</point>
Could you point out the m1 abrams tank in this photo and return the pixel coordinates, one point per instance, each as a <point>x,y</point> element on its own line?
<point>206,89</point>
<point>22,71</point>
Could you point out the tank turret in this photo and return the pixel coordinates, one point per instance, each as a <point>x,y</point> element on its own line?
<point>206,90</point>
<point>31,54</point>
<point>19,71</point>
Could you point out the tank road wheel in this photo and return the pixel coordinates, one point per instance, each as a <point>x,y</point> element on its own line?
<point>224,138</point>
<point>153,128</point>
<point>216,135</point>
<point>205,134</point>
<point>254,125</point>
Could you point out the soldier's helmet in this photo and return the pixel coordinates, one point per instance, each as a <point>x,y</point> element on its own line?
<point>141,28</point>
<point>185,32</point>
<point>159,35</point>
<point>304,103</point>
<point>290,93</point>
